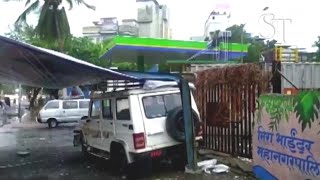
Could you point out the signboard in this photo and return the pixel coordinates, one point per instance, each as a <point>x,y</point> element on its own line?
<point>286,54</point>
<point>286,143</point>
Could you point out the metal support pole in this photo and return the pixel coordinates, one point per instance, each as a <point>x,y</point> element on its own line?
<point>189,126</point>
<point>140,63</point>
<point>19,101</point>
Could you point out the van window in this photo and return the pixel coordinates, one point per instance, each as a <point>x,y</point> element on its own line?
<point>123,110</point>
<point>159,106</point>
<point>70,105</point>
<point>52,105</point>
<point>95,109</point>
<point>84,104</point>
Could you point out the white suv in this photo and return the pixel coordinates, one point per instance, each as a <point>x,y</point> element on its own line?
<point>138,124</point>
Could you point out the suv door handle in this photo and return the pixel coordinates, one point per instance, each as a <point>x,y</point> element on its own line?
<point>88,120</point>
<point>111,123</point>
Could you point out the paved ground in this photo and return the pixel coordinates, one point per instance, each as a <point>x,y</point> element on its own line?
<point>52,156</point>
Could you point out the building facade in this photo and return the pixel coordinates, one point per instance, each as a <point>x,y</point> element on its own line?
<point>152,21</point>
<point>109,27</point>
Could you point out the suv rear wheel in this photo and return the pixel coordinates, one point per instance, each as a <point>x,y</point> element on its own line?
<point>119,162</point>
<point>52,123</point>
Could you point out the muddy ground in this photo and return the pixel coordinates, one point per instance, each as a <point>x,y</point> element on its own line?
<point>52,156</point>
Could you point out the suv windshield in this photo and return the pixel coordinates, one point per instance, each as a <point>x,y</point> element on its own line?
<point>160,105</point>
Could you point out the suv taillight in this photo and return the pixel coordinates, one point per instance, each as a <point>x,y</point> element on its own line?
<point>139,141</point>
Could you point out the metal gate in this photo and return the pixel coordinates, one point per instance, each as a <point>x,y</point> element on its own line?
<point>227,109</point>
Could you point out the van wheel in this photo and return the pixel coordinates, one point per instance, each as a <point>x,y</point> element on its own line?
<point>118,159</point>
<point>52,123</point>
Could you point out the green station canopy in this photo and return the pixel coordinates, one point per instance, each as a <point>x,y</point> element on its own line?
<point>126,48</point>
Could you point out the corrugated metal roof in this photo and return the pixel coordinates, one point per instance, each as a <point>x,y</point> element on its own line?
<point>39,67</point>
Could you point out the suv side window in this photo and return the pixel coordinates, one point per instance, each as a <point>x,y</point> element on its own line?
<point>70,105</point>
<point>83,104</point>
<point>106,109</point>
<point>95,107</point>
<point>52,105</point>
<point>123,110</point>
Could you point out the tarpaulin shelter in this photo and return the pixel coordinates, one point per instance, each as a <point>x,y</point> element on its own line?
<point>30,65</point>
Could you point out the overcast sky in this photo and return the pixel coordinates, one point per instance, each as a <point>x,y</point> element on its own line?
<point>188,17</point>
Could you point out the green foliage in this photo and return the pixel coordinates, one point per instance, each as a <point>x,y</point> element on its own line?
<point>239,34</point>
<point>317,44</point>
<point>256,47</point>
<point>306,107</point>
<point>53,24</point>
<point>278,107</point>
<point>7,88</point>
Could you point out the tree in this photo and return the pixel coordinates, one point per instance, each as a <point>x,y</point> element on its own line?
<point>53,24</point>
<point>317,44</point>
<point>239,34</point>
<point>256,45</point>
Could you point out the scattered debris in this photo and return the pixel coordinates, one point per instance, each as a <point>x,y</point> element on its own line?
<point>205,152</point>
<point>23,153</point>
<point>219,168</point>
<point>245,159</point>
<point>20,164</point>
<point>206,163</point>
<point>210,166</point>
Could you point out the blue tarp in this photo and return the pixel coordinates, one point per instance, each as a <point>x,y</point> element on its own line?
<point>39,67</point>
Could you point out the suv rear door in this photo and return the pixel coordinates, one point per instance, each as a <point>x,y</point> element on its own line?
<point>155,108</point>
<point>123,122</point>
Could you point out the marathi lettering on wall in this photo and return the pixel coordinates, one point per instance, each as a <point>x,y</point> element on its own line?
<point>286,139</point>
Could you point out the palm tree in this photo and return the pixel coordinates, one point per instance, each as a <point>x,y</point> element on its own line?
<point>53,24</point>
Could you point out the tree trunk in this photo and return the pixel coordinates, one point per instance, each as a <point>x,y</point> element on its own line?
<point>35,92</point>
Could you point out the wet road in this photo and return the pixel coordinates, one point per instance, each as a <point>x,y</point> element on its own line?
<point>52,156</point>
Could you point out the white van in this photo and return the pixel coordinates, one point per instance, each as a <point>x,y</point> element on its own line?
<point>63,111</point>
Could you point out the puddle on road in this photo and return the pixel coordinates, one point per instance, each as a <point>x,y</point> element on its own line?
<point>7,139</point>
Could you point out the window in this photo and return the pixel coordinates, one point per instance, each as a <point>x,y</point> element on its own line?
<point>107,112</point>
<point>70,105</point>
<point>52,105</point>
<point>172,101</point>
<point>123,111</point>
<point>159,106</point>
<point>84,104</point>
<point>154,106</point>
<point>95,109</point>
